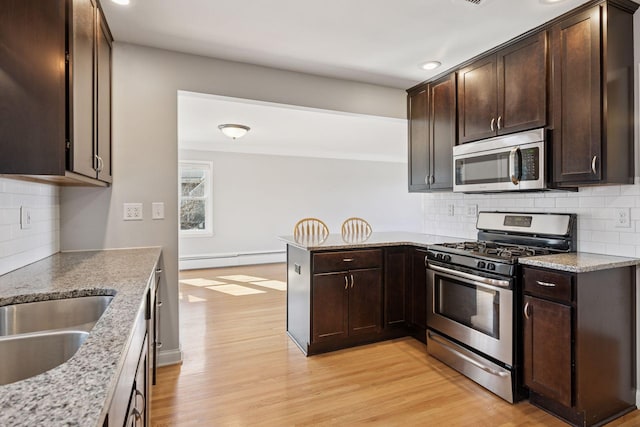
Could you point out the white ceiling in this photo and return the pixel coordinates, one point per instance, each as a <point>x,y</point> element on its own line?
<point>286,130</point>
<point>376,41</point>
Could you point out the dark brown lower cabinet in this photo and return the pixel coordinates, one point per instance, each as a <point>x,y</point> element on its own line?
<point>417,301</point>
<point>579,343</point>
<point>547,342</point>
<point>346,304</point>
<point>395,287</point>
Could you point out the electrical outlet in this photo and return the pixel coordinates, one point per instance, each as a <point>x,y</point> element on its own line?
<point>472,210</point>
<point>25,217</point>
<point>132,212</point>
<point>157,210</point>
<point>450,210</point>
<point>623,217</point>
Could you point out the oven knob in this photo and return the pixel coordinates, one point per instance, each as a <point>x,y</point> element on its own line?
<point>439,256</point>
<point>446,258</point>
<point>481,264</point>
<point>491,266</point>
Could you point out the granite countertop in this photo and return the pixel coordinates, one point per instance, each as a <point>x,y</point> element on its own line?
<point>78,392</point>
<point>579,262</point>
<point>389,238</point>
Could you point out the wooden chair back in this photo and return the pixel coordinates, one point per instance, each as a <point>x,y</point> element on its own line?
<point>310,229</point>
<point>356,229</point>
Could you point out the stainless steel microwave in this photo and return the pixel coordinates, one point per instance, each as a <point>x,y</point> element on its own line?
<point>513,162</point>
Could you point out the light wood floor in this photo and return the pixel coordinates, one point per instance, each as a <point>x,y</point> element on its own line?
<point>240,369</point>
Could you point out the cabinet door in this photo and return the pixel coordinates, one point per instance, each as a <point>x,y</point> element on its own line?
<point>477,100</point>
<point>365,301</point>
<point>81,88</point>
<point>395,281</point>
<point>522,85</point>
<point>576,101</point>
<point>417,105</point>
<point>418,289</point>
<point>32,87</point>
<point>330,306</point>
<point>103,101</point>
<point>442,131</point>
<point>547,349</point>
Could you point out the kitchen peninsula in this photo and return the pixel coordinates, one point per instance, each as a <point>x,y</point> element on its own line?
<point>364,290</point>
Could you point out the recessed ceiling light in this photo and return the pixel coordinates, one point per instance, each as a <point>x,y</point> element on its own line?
<point>121,2</point>
<point>431,65</point>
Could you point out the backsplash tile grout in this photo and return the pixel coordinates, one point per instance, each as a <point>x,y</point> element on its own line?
<point>20,247</point>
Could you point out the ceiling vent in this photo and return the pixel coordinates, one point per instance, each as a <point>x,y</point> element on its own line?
<point>476,2</point>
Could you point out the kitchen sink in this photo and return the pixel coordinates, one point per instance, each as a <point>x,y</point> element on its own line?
<point>79,314</point>
<point>25,356</point>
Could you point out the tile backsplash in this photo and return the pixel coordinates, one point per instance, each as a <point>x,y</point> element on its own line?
<point>19,247</point>
<point>597,209</point>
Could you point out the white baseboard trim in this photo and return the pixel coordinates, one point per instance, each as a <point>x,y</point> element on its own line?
<point>170,357</point>
<point>193,262</point>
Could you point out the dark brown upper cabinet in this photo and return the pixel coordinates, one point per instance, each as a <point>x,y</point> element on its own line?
<point>504,92</point>
<point>432,134</point>
<point>593,96</point>
<point>55,108</point>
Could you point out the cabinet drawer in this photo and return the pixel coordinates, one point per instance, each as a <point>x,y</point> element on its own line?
<point>346,260</point>
<point>549,284</point>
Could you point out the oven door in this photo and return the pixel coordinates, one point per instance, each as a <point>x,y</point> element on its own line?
<point>474,310</point>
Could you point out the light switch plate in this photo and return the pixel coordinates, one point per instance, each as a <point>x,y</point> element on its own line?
<point>157,210</point>
<point>132,212</point>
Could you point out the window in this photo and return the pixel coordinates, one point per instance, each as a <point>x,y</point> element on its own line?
<point>195,198</point>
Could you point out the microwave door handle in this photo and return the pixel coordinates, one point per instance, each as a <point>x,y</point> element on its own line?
<point>514,172</point>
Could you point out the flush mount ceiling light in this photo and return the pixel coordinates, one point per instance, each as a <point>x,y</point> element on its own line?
<point>234,131</point>
<point>121,2</point>
<point>431,65</point>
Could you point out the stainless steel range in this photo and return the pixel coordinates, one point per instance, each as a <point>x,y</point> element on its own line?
<point>474,295</point>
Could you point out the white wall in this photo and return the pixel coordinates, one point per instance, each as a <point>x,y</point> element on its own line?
<point>258,197</point>
<point>19,247</point>
<point>145,154</point>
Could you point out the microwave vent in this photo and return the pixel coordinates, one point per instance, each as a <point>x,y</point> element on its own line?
<point>476,2</point>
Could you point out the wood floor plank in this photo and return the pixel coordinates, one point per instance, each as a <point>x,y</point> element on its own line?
<point>240,369</point>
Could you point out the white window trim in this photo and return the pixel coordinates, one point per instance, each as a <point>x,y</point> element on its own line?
<point>208,231</point>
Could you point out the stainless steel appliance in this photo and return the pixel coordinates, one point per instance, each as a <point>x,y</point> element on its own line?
<point>474,295</point>
<point>513,162</point>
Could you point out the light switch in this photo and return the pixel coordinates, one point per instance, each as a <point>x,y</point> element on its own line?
<point>157,210</point>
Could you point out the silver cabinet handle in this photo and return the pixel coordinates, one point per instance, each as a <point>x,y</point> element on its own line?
<point>593,165</point>
<point>546,284</point>
<point>432,179</point>
<point>427,179</point>
<point>499,121</point>
<point>493,120</point>
<point>351,280</point>
<point>159,303</point>
<point>346,282</point>
<point>158,271</point>
<point>144,400</point>
<point>158,344</point>
<point>347,259</point>
<point>526,311</point>
<point>515,178</point>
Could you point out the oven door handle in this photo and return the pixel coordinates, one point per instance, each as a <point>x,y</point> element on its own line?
<point>469,276</point>
<point>467,358</point>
